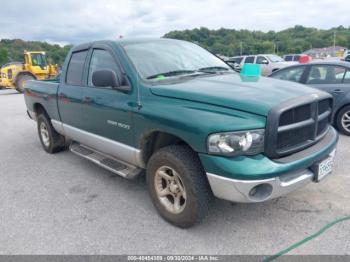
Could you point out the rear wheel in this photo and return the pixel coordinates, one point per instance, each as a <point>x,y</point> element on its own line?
<point>178,186</point>
<point>343,120</point>
<point>51,141</point>
<point>21,81</point>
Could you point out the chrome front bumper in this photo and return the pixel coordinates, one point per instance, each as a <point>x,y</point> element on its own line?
<point>250,191</point>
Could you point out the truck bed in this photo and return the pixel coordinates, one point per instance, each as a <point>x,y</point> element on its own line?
<point>44,93</point>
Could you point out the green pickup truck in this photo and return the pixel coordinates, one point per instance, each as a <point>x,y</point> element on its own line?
<point>197,128</point>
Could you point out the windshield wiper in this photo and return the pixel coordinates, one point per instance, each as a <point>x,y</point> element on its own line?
<point>212,69</point>
<point>171,73</point>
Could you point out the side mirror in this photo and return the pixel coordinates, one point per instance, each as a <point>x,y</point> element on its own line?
<point>264,62</point>
<point>108,78</point>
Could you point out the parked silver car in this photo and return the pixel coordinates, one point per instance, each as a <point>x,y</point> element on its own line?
<point>269,62</point>
<point>332,77</point>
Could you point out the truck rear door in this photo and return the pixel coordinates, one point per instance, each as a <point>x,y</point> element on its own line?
<point>70,92</point>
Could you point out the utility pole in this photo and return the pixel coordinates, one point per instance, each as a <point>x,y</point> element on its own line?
<point>334,36</point>
<point>241,47</point>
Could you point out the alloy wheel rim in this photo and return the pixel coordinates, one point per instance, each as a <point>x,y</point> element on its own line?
<point>44,133</point>
<point>170,189</point>
<point>345,121</point>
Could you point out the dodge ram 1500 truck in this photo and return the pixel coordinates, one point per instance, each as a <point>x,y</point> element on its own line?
<point>195,126</point>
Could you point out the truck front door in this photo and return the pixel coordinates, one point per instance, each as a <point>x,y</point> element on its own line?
<point>107,112</point>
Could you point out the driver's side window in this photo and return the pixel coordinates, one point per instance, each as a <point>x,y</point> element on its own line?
<point>102,59</point>
<point>261,60</point>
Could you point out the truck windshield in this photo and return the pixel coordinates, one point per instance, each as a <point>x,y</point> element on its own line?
<point>39,60</point>
<point>171,58</point>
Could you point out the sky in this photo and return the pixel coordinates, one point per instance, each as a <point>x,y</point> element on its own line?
<point>79,21</point>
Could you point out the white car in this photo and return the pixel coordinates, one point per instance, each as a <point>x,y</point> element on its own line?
<point>346,56</point>
<point>291,57</point>
<point>235,62</point>
<point>269,62</point>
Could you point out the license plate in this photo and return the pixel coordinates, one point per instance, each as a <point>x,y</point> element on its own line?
<point>324,168</point>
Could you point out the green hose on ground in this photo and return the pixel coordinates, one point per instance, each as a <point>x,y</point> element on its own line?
<point>322,230</point>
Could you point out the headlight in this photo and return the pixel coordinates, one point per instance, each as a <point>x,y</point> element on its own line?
<point>237,143</point>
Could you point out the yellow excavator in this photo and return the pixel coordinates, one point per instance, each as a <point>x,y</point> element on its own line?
<point>35,66</point>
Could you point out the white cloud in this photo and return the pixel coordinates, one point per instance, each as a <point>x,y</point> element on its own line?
<point>85,20</point>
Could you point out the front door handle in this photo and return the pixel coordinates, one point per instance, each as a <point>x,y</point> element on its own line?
<point>62,96</point>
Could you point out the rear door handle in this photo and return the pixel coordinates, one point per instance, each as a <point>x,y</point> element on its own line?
<point>338,91</point>
<point>87,99</point>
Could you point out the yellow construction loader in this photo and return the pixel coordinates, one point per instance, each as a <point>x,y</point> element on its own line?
<point>35,66</point>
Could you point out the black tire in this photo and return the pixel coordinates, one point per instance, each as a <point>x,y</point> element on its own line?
<point>21,80</point>
<point>55,142</point>
<point>343,120</point>
<point>198,193</point>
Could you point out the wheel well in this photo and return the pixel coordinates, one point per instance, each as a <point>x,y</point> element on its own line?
<point>337,113</point>
<point>156,140</point>
<point>38,109</point>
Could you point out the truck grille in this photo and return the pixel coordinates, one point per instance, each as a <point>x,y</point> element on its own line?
<point>298,124</point>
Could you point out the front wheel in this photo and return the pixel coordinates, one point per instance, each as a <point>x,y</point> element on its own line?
<point>178,186</point>
<point>343,120</point>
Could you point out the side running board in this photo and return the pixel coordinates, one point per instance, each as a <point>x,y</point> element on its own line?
<point>112,164</point>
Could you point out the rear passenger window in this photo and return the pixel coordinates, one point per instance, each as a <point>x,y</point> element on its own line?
<point>75,68</point>
<point>326,74</point>
<point>249,60</point>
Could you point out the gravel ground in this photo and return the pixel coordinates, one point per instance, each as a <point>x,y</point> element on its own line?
<point>62,204</point>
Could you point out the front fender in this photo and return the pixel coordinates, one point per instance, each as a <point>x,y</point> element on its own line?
<point>190,121</point>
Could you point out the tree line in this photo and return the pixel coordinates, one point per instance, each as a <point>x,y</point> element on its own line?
<point>228,42</point>
<point>12,50</point>
<point>231,42</point>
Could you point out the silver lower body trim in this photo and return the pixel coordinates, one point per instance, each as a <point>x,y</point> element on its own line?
<point>110,147</point>
<point>241,190</point>
<point>58,126</point>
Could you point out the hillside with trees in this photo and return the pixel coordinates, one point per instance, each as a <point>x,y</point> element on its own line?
<point>12,50</point>
<point>223,41</point>
<point>293,40</point>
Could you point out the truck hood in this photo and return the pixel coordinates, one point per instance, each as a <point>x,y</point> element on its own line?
<point>233,91</point>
